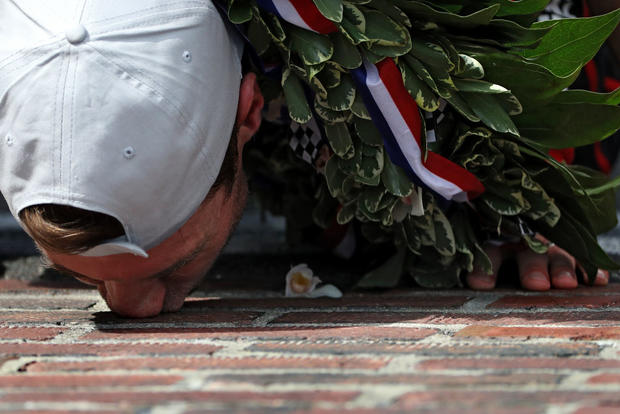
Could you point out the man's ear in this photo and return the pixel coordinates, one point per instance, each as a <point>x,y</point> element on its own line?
<point>249,110</point>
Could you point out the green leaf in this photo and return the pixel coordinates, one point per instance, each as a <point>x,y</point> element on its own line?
<point>383,30</point>
<point>580,96</point>
<point>328,115</point>
<point>272,24</point>
<point>420,71</point>
<point>488,108</point>
<point>421,92</point>
<point>345,54</point>
<point>387,275</point>
<point>239,11</point>
<point>573,237</point>
<point>330,77</point>
<point>444,236</point>
<point>432,56</point>
<point>602,215</point>
<point>371,166</point>
<point>313,48</point>
<point>518,7</point>
<point>560,125</point>
<point>572,43</point>
<point>259,37</point>
<point>471,68</point>
<point>425,12</point>
<point>346,213</point>
<point>395,180</point>
<point>334,177</point>
<point>359,108</point>
<point>353,24</point>
<point>511,34</point>
<point>339,138</point>
<point>504,200</point>
<point>330,9</point>
<point>482,260</point>
<point>341,97</point>
<point>298,107</point>
<point>368,132</point>
<point>371,197</point>
<point>531,83</point>
<point>470,85</point>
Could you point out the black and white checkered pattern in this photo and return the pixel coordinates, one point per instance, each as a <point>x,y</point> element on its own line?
<point>433,119</point>
<point>306,140</point>
<point>558,9</point>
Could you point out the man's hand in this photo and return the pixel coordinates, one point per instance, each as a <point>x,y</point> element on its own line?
<point>537,272</point>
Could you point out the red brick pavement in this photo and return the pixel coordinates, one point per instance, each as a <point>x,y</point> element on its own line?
<point>400,351</point>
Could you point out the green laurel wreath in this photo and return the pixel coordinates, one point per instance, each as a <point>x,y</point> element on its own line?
<point>503,76</point>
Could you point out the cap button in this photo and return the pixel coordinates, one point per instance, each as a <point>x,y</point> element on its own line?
<point>77,34</point>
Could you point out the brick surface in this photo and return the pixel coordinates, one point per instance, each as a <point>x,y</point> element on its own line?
<point>503,364</point>
<point>271,332</point>
<point>85,349</point>
<point>34,334</point>
<point>581,333</point>
<point>199,363</point>
<point>391,351</point>
<point>549,301</point>
<point>138,397</point>
<point>85,381</point>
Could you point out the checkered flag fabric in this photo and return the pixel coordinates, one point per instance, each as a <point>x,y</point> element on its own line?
<point>558,9</point>
<point>306,140</point>
<point>432,120</point>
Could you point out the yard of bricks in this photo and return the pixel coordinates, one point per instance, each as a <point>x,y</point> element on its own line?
<point>242,348</point>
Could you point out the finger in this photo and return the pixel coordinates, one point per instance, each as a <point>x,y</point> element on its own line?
<point>562,269</point>
<point>533,271</point>
<point>602,278</point>
<point>478,279</point>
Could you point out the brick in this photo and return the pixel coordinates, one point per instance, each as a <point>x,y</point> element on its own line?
<point>605,379</point>
<point>32,334</point>
<point>597,410</point>
<point>359,332</point>
<point>105,349</point>
<point>388,347</point>
<point>435,381</point>
<point>38,317</point>
<point>551,301</point>
<point>47,303</point>
<point>246,397</point>
<point>85,381</point>
<point>42,286</point>
<point>489,401</point>
<point>609,318</point>
<point>348,301</point>
<point>64,411</point>
<point>581,333</point>
<point>194,363</point>
<point>177,319</point>
<point>578,364</point>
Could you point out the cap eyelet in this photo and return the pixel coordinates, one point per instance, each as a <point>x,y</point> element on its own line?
<point>9,140</point>
<point>129,153</point>
<point>187,56</point>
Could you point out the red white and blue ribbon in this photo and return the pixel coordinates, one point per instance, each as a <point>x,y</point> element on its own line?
<point>396,115</point>
<point>393,111</point>
<point>301,13</point>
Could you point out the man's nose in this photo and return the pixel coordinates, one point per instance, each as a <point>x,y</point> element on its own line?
<point>140,299</point>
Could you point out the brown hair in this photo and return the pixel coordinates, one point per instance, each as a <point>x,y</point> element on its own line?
<point>70,230</point>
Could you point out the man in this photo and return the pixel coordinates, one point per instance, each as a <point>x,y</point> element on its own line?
<point>123,127</point>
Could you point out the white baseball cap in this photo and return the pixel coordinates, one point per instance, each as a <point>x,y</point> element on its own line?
<point>122,107</point>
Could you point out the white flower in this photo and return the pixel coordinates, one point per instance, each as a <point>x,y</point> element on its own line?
<point>301,282</point>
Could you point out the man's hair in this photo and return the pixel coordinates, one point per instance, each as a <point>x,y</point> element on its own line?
<point>69,230</point>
